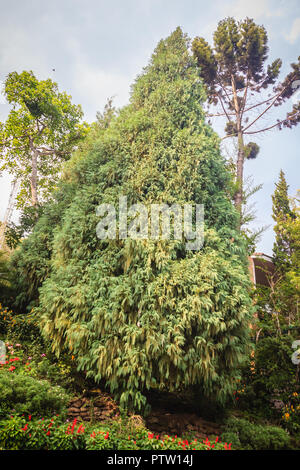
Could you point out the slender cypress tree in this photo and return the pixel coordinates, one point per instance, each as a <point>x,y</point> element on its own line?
<point>142,314</point>
<point>282,249</point>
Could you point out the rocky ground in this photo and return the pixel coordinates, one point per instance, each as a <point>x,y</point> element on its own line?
<point>164,422</point>
<point>100,406</point>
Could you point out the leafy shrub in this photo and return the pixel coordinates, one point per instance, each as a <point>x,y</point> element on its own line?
<point>50,434</point>
<point>18,433</point>
<point>250,436</point>
<point>23,328</point>
<point>291,414</point>
<point>11,434</point>
<point>57,372</point>
<point>272,375</point>
<point>99,440</point>
<point>30,396</point>
<point>232,437</point>
<point>5,320</point>
<point>121,435</point>
<point>6,291</point>
<point>66,437</point>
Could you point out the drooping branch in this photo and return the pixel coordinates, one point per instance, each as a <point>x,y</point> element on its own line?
<point>223,107</point>
<point>270,127</point>
<point>268,107</point>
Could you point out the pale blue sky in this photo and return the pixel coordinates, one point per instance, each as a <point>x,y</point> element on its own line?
<point>98,47</point>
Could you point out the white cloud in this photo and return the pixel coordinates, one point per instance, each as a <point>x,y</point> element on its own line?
<point>93,86</point>
<point>19,52</point>
<point>294,32</point>
<point>240,9</point>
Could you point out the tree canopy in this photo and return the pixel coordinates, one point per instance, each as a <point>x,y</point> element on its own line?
<point>41,131</point>
<point>237,79</point>
<point>142,314</point>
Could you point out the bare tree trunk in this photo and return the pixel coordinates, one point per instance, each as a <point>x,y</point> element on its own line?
<point>272,283</point>
<point>238,198</point>
<point>257,335</point>
<point>9,211</point>
<point>278,323</point>
<point>33,179</point>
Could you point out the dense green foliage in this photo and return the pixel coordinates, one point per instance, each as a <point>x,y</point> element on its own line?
<point>270,387</point>
<point>27,395</point>
<point>145,313</point>
<point>5,285</point>
<point>239,53</point>
<point>271,378</point>
<point>282,212</point>
<point>19,433</point>
<point>147,319</point>
<point>285,285</point>
<point>245,435</point>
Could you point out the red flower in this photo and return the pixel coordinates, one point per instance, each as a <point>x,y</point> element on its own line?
<point>80,429</point>
<point>73,425</point>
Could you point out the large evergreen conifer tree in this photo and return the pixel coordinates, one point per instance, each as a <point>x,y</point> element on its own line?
<point>143,314</point>
<point>282,249</point>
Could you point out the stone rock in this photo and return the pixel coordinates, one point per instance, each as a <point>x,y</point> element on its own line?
<point>153,420</point>
<point>73,410</point>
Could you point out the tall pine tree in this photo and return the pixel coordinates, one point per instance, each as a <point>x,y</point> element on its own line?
<point>237,78</point>
<point>142,314</point>
<point>285,288</point>
<point>282,249</point>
